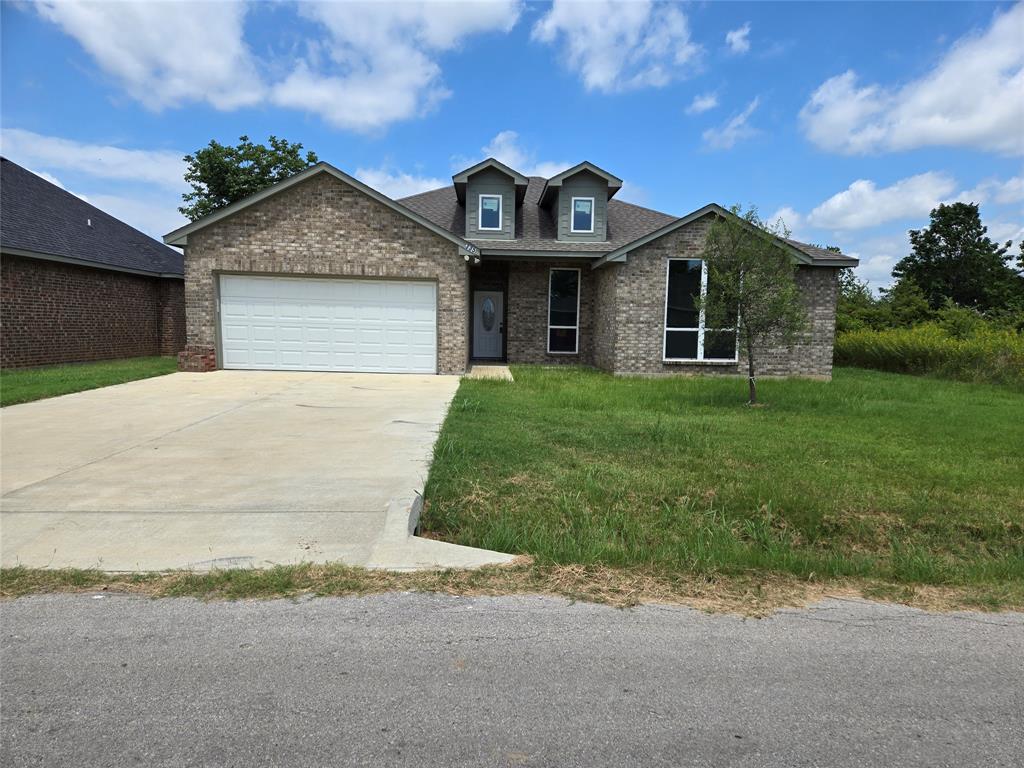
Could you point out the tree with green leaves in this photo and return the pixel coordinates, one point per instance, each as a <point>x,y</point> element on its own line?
<point>220,175</point>
<point>953,259</point>
<point>751,286</point>
<point>856,305</point>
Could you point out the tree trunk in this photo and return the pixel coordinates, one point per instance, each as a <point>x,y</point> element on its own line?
<point>750,373</point>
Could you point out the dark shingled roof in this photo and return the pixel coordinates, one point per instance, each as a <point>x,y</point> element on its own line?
<point>42,218</point>
<point>535,228</point>
<point>820,254</point>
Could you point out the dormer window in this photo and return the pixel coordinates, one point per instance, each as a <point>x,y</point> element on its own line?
<point>582,214</point>
<point>490,213</point>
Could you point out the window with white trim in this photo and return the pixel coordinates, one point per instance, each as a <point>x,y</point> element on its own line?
<point>582,215</point>
<point>564,311</point>
<point>489,216</point>
<point>686,337</point>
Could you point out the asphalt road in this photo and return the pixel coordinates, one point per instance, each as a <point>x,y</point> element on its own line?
<point>417,680</point>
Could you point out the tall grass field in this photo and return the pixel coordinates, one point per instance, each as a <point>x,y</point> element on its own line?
<point>986,354</point>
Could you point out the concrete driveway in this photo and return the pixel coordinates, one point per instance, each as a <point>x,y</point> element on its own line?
<point>230,468</point>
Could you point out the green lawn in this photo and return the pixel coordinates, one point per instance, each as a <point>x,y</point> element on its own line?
<point>21,386</point>
<point>873,475</point>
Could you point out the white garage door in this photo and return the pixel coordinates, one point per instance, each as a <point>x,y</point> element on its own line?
<point>306,324</point>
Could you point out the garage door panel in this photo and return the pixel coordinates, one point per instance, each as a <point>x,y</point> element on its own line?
<point>263,333</point>
<point>236,332</point>
<point>328,324</point>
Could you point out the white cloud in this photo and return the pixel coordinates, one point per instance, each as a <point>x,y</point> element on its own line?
<point>165,54</point>
<point>632,193</point>
<point>863,204</point>
<point>702,103</point>
<point>974,97</point>
<point>878,255</point>
<point>396,184</point>
<point>875,268</point>
<point>378,64</point>
<point>1001,192</point>
<point>506,148</point>
<point>616,46</point>
<point>1000,231</point>
<point>162,167</point>
<point>374,63</point>
<point>791,220</point>
<point>738,40</point>
<point>735,129</point>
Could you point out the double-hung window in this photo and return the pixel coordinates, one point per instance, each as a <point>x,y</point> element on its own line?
<point>582,215</point>
<point>686,336</point>
<point>490,213</point>
<point>564,311</point>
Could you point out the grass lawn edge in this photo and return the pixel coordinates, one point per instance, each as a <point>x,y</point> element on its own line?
<point>27,385</point>
<point>751,595</point>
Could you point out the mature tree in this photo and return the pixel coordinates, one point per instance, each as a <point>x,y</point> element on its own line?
<point>952,258</point>
<point>219,175</point>
<point>751,286</point>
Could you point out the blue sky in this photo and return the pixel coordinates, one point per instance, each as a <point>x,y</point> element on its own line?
<point>849,120</point>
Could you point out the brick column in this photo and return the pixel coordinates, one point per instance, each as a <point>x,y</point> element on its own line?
<point>197,359</point>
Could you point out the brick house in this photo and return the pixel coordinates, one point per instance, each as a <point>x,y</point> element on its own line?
<point>321,272</point>
<point>76,284</point>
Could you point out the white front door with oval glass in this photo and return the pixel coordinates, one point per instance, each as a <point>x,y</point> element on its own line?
<point>488,324</point>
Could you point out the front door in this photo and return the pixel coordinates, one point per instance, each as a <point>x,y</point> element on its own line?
<point>488,324</point>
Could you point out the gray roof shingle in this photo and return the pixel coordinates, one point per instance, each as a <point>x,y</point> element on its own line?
<point>535,228</point>
<point>821,254</point>
<point>42,218</point>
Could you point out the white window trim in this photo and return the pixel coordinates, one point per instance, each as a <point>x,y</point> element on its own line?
<point>579,290</point>
<point>572,216</point>
<point>700,323</point>
<point>480,213</point>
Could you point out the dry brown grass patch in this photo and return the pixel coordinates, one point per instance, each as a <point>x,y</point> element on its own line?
<point>747,595</point>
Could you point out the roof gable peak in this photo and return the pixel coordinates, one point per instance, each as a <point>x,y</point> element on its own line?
<point>555,182</point>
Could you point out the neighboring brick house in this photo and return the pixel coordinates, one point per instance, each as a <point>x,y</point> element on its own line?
<point>76,284</point>
<point>321,272</point>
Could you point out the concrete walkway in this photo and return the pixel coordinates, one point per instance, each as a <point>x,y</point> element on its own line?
<point>231,468</point>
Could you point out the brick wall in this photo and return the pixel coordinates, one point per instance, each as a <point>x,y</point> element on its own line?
<point>631,315</point>
<point>62,313</point>
<point>323,227</point>
<point>605,321</point>
<point>172,316</point>
<point>528,313</point>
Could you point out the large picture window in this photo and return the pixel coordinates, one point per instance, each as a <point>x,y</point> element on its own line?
<point>686,337</point>
<point>564,311</point>
<point>490,212</point>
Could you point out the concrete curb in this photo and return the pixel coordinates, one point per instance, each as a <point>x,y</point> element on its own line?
<point>398,549</point>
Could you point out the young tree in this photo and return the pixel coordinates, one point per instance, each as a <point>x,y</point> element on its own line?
<point>751,286</point>
<point>952,258</point>
<point>219,175</point>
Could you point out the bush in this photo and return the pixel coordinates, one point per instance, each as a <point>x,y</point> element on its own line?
<point>982,353</point>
